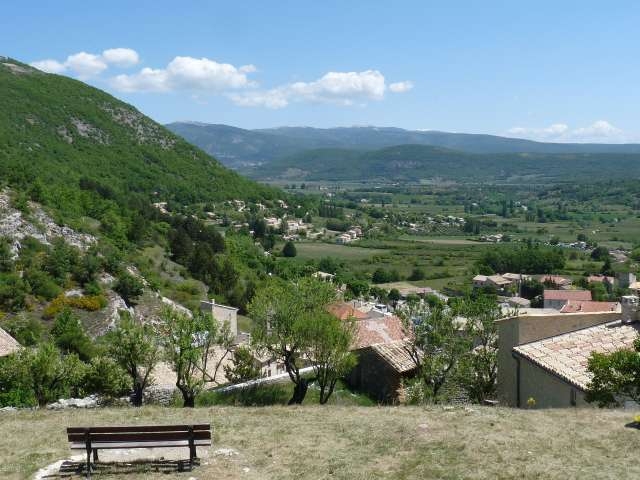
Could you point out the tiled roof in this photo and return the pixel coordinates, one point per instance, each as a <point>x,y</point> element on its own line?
<point>345,311</point>
<point>397,355</point>
<point>8,344</point>
<point>498,280</point>
<point>573,306</point>
<point>567,355</point>
<point>372,331</point>
<point>580,295</point>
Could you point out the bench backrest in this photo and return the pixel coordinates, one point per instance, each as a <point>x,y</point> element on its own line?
<point>139,433</point>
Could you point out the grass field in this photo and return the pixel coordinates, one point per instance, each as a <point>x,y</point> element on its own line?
<point>357,443</point>
<point>317,250</point>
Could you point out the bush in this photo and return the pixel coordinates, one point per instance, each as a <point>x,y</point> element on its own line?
<point>106,377</point>
<point>128,287</point>
<point>289,250</point>
<point>69,336</point>
<point>42,285</point>
<point>91,303</point>
<point>26,329</point>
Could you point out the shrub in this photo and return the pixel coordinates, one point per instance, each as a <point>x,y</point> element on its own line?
<point>91,303</point>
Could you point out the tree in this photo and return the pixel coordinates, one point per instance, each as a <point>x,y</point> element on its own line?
<point>289,249</point>
<point>70,337</point>
<point>600,254</point>
<point>479,367</point>
<point>129,288</point>
<point>615,376</point>
<point>189,342</point>
<point>281,312</point>
<point>243,367</point>
<point>394,296</point>
<point>329,342</point>
<point>134,347</point>
<point>50,374</point>
<point>417,274</point>
<point>438,338</point>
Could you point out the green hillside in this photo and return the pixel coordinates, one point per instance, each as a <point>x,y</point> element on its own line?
<point>419,162</point>
<point>56,132</point>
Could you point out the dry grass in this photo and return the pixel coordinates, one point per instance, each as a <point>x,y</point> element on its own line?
<point>360,443</point>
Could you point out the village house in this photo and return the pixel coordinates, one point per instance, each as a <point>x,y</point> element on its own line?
<point>383,347</point>
<point>536,348</point>
<point>499,282</point>
<point>343,239</point>
<point>556,280</point>
<point>553,370</point>
<point>222,313</point>
<point>558,298</point>
<point>8,344</point>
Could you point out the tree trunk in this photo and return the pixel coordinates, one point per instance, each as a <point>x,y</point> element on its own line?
<point>189,400</point>
<point>299,392</point>
<point>136,395</point>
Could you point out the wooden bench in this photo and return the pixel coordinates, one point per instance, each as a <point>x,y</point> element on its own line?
<point>92,439</point>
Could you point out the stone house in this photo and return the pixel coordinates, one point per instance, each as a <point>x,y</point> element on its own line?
<point>222,313</point>
<point>382,370</point>
<point>523,342</point>
<point>553,370</point>
<point>558,298</point>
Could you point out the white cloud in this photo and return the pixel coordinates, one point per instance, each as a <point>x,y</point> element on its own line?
<point>121,57</point>
<point>50,66</point>
<point>598,131</point>
<point>401,87</point>
<point>186,73</point>
<point>87,65</point>
<point>342,88</point>
<point>555,130</point>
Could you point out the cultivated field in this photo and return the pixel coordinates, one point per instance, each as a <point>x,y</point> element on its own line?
<point>357,443</point>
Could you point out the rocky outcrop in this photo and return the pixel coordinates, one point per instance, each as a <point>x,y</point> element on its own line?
<point>16,226</point>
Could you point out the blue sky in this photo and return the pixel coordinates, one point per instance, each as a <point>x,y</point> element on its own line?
<point>557,71</point>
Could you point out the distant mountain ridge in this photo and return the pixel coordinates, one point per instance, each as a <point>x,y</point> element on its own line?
<point>417,163</point>
<point>241,149</point>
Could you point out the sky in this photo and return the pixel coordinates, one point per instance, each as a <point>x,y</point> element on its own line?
<point>564,71</point>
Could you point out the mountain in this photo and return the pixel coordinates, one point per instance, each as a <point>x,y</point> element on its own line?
<point>242,149</point>
<point>236,147</point>
<point>61,136</point>
<point>415,163</point>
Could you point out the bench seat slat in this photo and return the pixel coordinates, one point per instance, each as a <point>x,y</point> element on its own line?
<point>112,445</point>
<point>138,437</point>
<point>140,428</point>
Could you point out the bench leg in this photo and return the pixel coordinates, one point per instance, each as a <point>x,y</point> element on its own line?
<point>88,463</point>
<point>95,454</point>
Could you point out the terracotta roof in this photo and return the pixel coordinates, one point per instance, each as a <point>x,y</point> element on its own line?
<point>580,295</point>
<point>345,311</point>
<point>372,331</point>
<point>8,344</point>
<point>573,306</point>
<point>567,355</point>
<point>396,355</point>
